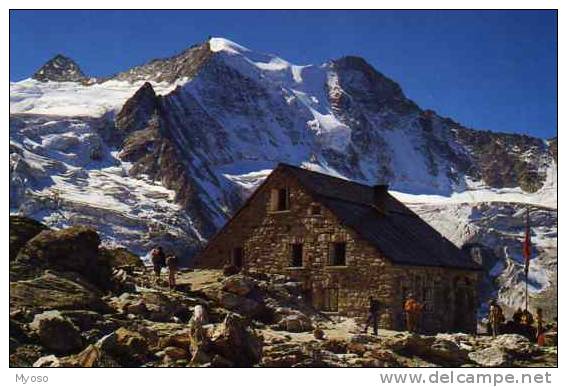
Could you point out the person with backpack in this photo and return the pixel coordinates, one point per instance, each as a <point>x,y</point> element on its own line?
<point>171,263</point>
<point>412,308</point>
<point>495,317</point>
<point>374,307</point>
<point>158,261</point>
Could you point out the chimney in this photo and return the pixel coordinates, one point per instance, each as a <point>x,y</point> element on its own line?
<point>380,195</point>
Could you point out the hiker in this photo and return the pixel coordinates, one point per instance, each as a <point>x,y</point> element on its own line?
<point>517,316</point>
<point>158,261</point>
<point>495,317</point>
<point>171,263</point>
<point>413,312</point>
<point>374,307</point>
<point>527,318</point>
<point>540,337</point>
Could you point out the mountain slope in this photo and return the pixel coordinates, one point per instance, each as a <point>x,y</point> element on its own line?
<point>203,128</point>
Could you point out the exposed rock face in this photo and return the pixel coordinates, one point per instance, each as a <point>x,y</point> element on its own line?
<point>60,69</point>
<point>513,158</point>
<point>138,110</point>
<point>183,65</point>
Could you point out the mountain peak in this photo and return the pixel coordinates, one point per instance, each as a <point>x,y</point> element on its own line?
<point>60,69</point>
<point>222,44</point>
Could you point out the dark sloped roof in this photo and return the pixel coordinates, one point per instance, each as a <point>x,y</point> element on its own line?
<point>400,234</point>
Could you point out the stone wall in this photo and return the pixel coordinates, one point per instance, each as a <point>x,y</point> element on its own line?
<point>267,236</point>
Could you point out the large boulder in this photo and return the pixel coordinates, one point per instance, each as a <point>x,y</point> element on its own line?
<point>74,249</point>
<point>437,350</point>
<point>56,333</point>
<point>51,291</point>
<point>234,341</point>
<point>22,229</point>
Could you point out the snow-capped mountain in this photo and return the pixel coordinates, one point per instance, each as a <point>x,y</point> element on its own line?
<point>166,151</point>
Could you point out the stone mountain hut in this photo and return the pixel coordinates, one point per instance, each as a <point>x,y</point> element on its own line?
<point>345,242</point>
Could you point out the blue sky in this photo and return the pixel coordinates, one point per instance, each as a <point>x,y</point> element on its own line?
<point>492,70</point>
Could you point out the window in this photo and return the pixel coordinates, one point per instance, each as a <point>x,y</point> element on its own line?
<point>337,254</point>
<point>279,200</point>
<point>297,255</point>
<point>331,300</point>
<point>315,209</point>
<point>237,257</point>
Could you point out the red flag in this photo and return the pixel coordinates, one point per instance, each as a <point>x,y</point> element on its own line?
<point>527,244</point>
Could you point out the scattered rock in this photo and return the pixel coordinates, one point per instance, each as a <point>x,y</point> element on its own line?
<point>48,361</point>
<point>296,323</point>
<point>335,346</point>
<point>25,355</point>
<point>51,291</point>
<point>516,345</point>
<point>84,320</point>
<point>235,342</point>
<point>175,353</point>
<point>229,270</point>
<point>318,333</point>
<point>56,333</point>
<point>490,357</point>
<point>238,284</point>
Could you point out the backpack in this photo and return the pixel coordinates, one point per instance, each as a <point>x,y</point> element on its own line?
<point>374,306</point>
<point>171,262</point>
<point>158,258</point>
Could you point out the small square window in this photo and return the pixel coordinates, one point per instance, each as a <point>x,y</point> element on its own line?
<point>297,255</point>
<point>279,200</point>
<point>315,209</point>
<point>337,254</point>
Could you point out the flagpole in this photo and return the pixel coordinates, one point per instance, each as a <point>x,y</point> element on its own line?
<point>527,295</point>
<point>527,253</point>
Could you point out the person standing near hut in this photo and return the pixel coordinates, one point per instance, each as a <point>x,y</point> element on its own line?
<point>171,263</point>
<point>412,308</point>
<point>374,307</point>
<point>540,337</point>
<point>495,317</point>
<point>158,261</point>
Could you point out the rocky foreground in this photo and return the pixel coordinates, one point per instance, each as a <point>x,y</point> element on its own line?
<point>74,303</point>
